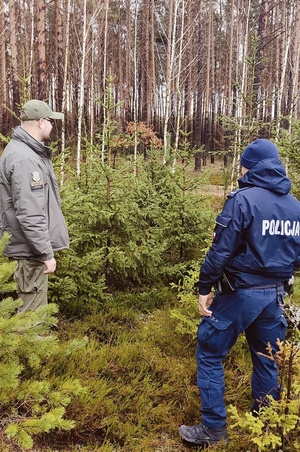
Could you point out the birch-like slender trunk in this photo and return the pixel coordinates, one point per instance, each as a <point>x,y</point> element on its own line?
<point>178,85</point>
<point>169,76</point>
<point>153,65</point>
<point>135,100</point>
<point>105,112</point>
<point>81,88</point>
<point>287,46</point>
<point>91,103</point>
<point>65,89</point>
<point>293,114</point>
<point>243,29</point>
<point>229,97</point>
<point>257,105</point>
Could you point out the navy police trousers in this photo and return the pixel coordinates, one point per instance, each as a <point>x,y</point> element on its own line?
<point>258,312</point>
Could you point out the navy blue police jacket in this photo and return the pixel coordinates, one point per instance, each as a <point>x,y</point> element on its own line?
<point>257,234</point>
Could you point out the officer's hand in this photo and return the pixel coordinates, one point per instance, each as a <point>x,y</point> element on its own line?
<point>50,266</point>
<point>204,301</point>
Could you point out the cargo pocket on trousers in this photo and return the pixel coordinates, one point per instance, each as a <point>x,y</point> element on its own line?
<point>26,276</point>
<point>206,399</point>
<point>284,325</point>
<point>213,334</point>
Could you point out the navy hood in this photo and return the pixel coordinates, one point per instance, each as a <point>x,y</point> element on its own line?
<point>269,174</point>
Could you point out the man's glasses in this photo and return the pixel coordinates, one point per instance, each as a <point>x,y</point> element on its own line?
<point>48,119</point>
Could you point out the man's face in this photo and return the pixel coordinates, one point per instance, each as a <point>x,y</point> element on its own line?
<point>46,127</point>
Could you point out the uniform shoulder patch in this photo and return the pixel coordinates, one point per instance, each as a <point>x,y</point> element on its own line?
<point>36,177</point>
<point>36,180</point>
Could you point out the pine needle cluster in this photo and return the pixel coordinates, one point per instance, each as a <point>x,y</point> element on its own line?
<point>33,396</point>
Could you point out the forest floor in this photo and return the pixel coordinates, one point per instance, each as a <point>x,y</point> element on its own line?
<point>159,353</point>
<point>216,180</point>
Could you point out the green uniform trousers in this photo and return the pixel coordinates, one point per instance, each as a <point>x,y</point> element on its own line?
<point>32,284</point>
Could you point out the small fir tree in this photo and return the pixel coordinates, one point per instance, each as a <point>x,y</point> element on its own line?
<point>30,404</point>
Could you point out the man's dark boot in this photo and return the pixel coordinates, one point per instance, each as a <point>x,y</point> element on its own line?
<point>203,436</point>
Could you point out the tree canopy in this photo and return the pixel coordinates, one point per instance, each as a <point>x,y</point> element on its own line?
<point>175,65</point>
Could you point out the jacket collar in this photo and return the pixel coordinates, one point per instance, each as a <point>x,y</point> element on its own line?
<point>38,147</point>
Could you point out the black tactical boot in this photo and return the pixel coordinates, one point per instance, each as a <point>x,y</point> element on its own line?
<point>203,436</point>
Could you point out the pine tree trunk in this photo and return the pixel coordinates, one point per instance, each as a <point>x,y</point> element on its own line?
<point>260,65</point>
<point>152,113</point>
<point>3,79</point>
<point>59,52</point>
<point>14,56</point>
<point>41,50</point>
<point>128,70</point>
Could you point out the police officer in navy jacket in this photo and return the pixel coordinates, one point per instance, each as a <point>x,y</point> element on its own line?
<point>255,250</point>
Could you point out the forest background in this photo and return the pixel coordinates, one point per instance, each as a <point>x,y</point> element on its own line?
<point>160,98</point>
